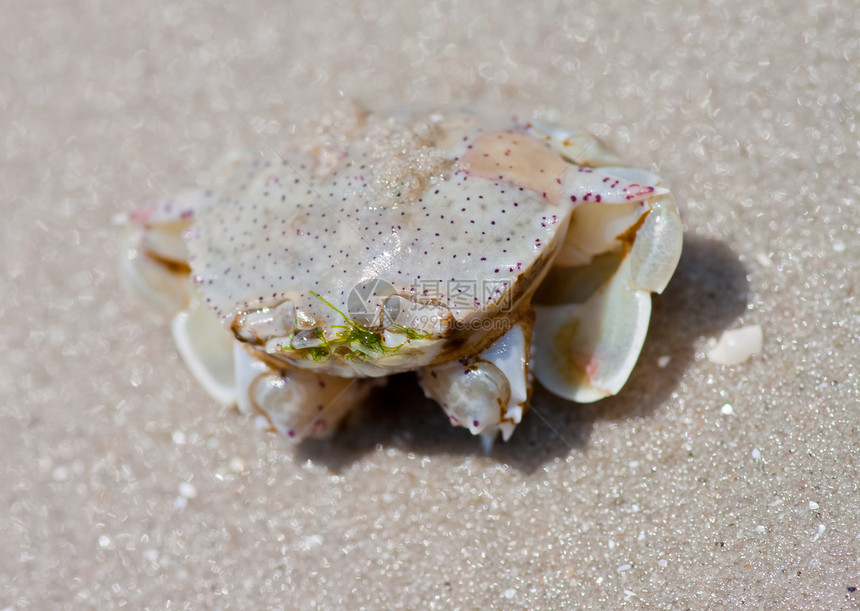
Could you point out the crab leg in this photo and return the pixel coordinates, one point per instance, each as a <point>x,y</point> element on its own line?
<point>296,403</point>
<point>155,265</point>
<point>485,393</point>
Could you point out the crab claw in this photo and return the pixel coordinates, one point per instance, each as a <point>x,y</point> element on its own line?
<point>155,265</point>
<point>585,352</point>
<point>163,287</point>
<point>486,393</point>
<point>599,185</point>
<point>207,348</point>
<point>657,249</point>
<point>586,345</point>
<point>297,403</point>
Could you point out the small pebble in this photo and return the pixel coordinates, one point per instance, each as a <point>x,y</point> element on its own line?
<point>819,531</point>
<point>310,542</point>
<point>151,555</point>
<point>736,346</point>
<point>188,490</point>
<point>763,260</point>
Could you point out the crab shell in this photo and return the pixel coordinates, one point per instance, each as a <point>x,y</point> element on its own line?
<point>477,250</point>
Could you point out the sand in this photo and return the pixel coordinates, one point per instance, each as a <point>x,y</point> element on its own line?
<point>699,486</point>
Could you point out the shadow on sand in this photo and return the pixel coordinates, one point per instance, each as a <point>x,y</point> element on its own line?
<point>708,291</point>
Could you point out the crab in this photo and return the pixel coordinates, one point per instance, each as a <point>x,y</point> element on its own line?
<point>477,249</point>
